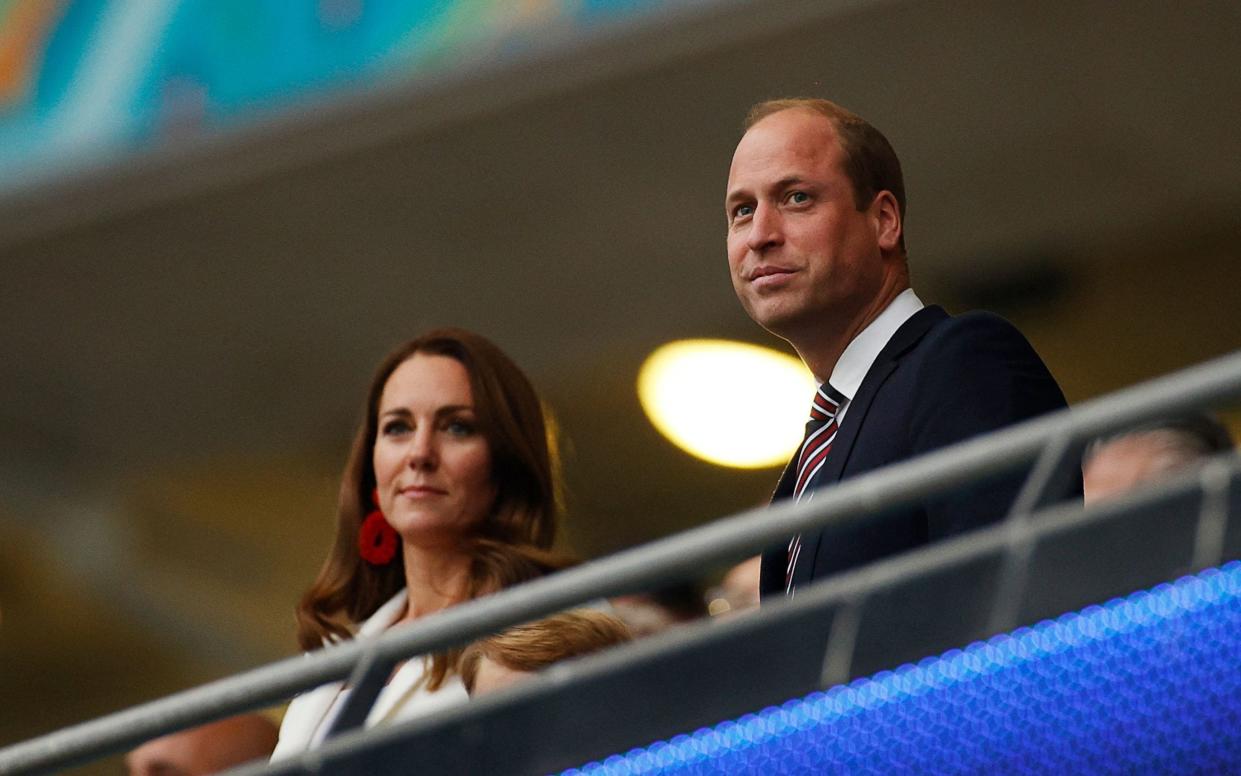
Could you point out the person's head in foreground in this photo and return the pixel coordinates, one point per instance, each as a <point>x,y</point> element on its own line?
<point>508,657</point>
<point>450,490</point>
<point>1118,464</point>
<point>209,748</point>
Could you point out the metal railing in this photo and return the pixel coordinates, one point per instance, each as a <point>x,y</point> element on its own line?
<point>1048,441</point>
<point>701,674</point>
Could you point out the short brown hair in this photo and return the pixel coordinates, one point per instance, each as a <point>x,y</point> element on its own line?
<point>871,163</point>
<point>536,645</point>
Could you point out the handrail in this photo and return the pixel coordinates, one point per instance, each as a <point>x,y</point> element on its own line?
<point>838,598</point>
<point>678,556</point>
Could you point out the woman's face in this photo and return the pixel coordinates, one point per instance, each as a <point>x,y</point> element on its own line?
<point>432,465</point>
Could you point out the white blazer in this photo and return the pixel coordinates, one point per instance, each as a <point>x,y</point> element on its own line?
<point>404,697</point>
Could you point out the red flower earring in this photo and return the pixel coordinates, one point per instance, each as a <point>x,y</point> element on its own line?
<point>377,540</point>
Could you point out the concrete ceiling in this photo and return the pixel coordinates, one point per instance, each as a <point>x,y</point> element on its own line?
<point>225,299</point>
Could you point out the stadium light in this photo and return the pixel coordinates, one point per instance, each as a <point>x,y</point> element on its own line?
<point>729,403</point>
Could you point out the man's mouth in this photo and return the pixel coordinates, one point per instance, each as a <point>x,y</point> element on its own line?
<point>768,269</point>
<point>769,275</point>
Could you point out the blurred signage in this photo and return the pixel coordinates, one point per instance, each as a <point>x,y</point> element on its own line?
<point>85,80</point>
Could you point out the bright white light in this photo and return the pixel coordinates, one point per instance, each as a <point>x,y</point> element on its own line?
<point>726,402</point>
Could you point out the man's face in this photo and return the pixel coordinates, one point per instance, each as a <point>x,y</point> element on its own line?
<point>801,255</point>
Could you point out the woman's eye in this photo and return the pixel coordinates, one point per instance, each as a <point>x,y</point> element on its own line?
<point>459,427</point>
<point>394,427</point>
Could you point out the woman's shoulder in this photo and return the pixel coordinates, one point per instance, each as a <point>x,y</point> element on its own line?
<point>302,718</point>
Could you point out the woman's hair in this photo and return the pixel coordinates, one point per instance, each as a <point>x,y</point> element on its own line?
<point>536,645</point>
<point>514,542</point>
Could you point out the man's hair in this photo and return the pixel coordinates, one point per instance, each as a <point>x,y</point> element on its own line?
<point>536,645</point>
<point>870,161</point>
<point>1195,435</point>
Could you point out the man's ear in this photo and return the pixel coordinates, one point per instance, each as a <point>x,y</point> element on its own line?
<point>887,215</point>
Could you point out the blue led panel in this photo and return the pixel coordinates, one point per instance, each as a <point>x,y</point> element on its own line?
<point>1146,684</point>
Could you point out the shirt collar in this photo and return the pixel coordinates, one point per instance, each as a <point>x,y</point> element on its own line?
<point>385,615</point>
<point>856,361</point>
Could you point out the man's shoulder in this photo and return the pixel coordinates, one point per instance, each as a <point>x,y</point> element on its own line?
<point>968,374</point>
<point>982,356</point>
<point>977,348</point>
<point>976,321</point>
<point>974,354</point>
<point>976,332</point>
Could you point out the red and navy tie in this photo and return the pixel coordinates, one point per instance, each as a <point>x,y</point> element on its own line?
<point>820,433</point>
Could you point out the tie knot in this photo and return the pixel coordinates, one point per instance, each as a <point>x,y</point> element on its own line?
<point>826,402</point>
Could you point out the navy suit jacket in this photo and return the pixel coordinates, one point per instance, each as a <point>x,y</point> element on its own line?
<point>939,380</point>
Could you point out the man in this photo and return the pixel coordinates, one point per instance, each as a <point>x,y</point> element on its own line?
<point>816,249</point>
<point>1147,454</point>
<point>209,748</point>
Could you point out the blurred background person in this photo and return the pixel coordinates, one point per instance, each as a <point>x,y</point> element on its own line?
<point>1148,453</point>
<point>450,492</point>
<point>508,657</point>
<point>649,613</point>
<point>205,749</point>
<point>738,590</point>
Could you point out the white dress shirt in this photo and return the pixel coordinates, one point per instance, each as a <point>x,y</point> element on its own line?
<point>861,353</point>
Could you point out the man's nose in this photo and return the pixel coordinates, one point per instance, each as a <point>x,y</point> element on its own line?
<point>765,228</point>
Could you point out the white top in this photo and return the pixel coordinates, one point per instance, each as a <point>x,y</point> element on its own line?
<point>861,353</point>
<point>404,697</point>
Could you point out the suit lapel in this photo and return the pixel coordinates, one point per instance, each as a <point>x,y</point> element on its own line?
<point>908,335</point>
<point>784,488</point>
<point>771,571</point>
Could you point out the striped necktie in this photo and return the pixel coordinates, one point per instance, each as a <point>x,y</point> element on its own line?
<point>820,433</point>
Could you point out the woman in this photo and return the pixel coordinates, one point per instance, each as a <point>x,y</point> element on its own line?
<point>450,493</point>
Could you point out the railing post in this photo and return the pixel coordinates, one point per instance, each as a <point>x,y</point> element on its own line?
<point>1048,477</point>
<point>367,680</point>
<point>1215,479</point>
<point>841,641</point>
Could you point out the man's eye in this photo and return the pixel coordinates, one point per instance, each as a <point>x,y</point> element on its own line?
<point>743,211</point>
<point>799,197</point>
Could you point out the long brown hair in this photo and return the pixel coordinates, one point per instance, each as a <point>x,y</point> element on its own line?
<point>514,543</point>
